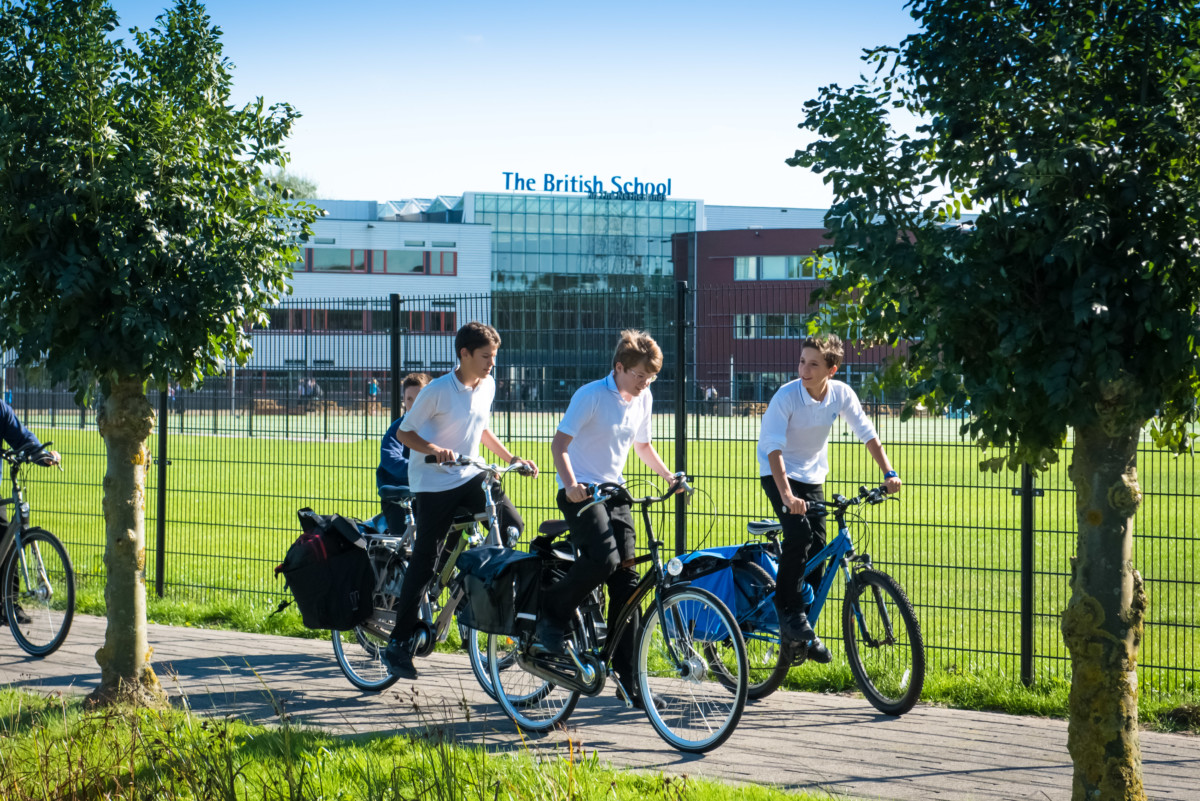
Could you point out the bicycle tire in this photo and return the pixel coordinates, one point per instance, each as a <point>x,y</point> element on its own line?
<point>361,659</point>
<point>767,661</point>
<point>478,657</point>
<point>49,604</point>
<point>531,702</point>
<point>888,667</point>
<point>700,709</point>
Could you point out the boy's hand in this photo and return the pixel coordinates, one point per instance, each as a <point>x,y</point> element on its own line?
<point>442,455</point>
<point>893,485</point>
<point>529,465</point>
<point>794,505</point>
<point>49,459</point>
<point>577,493</point>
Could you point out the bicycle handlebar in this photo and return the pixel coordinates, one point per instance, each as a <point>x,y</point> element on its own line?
<point>841,503</point>
<point>608,491</point>
<point>28,454</point>
<point>462,460</point>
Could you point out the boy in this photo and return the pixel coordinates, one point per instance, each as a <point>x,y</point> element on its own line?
<point>449,417</point>
<point>793,461</point>
<point>604,419</point>
<point>393,457</point>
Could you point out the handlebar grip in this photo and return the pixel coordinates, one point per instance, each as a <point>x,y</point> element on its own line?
<point>431,459</point>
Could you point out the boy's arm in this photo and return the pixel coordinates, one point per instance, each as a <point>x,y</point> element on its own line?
<point>415,442</point>
<point>891,480</point>
<point>493,444</point>
<point>647,453</point>
<point>794,505</point>
<point>575,491</point>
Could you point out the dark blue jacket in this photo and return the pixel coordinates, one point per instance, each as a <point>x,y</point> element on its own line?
<point>393,459</point>
<point>12,431</point>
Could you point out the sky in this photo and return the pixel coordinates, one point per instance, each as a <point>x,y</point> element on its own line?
<point>402,99</point>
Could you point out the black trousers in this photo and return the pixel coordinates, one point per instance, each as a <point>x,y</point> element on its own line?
<point>433,512</point>
<point>803,538</point>
<point>604,538</point>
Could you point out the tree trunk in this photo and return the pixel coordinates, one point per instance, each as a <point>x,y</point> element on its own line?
<point>1102,624</point>
<point>125,420</point>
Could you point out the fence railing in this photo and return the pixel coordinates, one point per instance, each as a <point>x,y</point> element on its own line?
<point>983,556</point>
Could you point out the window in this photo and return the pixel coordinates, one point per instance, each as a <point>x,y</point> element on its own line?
<point>338,260</point>
<point>773,268</point>
<point>443,262</point>
<point>768,326</point>
<point>402,261</point>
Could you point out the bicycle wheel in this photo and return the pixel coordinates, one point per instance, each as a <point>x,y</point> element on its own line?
<point>359,654</point>
<point>767,661</point>
<point>476,644</point>
<point>694,663</point>
<point>886,658</point>
<point>533,703</point>
<point>39,592</point>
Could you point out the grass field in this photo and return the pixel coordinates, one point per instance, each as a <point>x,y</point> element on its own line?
<point>952,541</point>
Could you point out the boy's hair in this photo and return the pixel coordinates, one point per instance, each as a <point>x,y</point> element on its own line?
<point>830,347</point>
<point>635,348</point>
<point>414,380</point>
<point>474,336</point>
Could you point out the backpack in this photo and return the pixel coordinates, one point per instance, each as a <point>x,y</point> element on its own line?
<point>329,573</point>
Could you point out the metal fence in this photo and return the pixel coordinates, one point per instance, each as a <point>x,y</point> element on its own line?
<point>983,556</point>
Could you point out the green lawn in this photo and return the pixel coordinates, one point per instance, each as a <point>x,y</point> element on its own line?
<point>952,541</point>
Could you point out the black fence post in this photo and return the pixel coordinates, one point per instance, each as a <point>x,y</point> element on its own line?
<point>681,292</point>
<point>397,393</point>
<point>1027,495</point>
<point>160,546</point>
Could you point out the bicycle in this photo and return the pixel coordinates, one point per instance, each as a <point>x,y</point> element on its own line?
<point>389,554</point>
<point>688,637</point>
<point>888,664</point>
<point>38,581</point>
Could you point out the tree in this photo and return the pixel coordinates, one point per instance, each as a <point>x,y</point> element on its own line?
<point>300,186</point>
<point>133,248</point>
<point>1070,304</point>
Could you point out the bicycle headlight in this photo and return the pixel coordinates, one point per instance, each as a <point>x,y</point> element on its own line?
<point>674,567</point>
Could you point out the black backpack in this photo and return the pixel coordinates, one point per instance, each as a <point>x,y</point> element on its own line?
<point>329,573</point>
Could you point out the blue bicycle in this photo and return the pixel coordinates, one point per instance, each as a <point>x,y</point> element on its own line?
<point>883,639</point>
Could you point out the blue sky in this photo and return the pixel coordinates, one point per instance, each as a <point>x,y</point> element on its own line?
<point>412,100</point>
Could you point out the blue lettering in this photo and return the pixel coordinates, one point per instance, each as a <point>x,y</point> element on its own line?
<point>507,177</point>
<point>548,182</point>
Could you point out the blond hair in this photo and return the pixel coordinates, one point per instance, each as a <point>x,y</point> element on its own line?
<point>638,347</point>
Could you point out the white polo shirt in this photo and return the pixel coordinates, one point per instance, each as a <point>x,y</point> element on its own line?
<point>603,427</point>
<point>799,425</point>
<point>451,415</point>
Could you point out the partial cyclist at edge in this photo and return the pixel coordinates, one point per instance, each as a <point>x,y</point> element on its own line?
<point>603,421</point>
<point>793,460</point>
<point>14,432</point>
<point>450,417</point>
<point>392,474</point>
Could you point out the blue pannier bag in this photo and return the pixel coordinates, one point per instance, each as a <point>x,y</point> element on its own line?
<point>715,570</point>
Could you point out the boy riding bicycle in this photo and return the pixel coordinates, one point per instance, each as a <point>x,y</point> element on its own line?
<point>793,462</point>
<point>604,419</point>
<point>449,417</point>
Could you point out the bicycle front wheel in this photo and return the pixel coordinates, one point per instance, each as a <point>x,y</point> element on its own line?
<point>883,642</point>
<point>359,654</point>
<point>39,592</point>
<point>533,703</point>
<point>692,670</point>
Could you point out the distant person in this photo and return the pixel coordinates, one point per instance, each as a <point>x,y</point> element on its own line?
<point>178,398</point>
<point>17,436</point>
<point>449,417</point>
<point>373,396</point>
<point>793,462</point>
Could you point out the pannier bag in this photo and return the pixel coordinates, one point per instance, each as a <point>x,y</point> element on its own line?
<point>329,573</point>
<point>500,589</point>
<point>713,569</point>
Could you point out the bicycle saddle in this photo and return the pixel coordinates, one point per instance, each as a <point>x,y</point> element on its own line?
<point>395,493</point>
<point>761,527</point>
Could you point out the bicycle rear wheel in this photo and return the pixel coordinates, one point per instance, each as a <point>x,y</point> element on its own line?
<point>533,703</point>
<point>692,662</point>
<point>476,644</point>
<point>883,642</point>
<point>359,654</point>
<point>767,661</point>
<point>39,592</point>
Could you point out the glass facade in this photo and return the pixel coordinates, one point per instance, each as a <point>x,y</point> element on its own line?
<point>544,242</point>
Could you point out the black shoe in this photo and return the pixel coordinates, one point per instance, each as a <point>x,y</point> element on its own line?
<point>638,702</point>
<point>796,628</point>
<point>23,617</point>
<point>549,638</point>
<point>818,653</point>
<point>398,657</point>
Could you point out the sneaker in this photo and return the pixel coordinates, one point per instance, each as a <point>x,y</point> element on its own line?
<point>818,653</point>
<point>549,638</point>
<point>23,617</point>
<point>796,628</point>
<point>398,657</point>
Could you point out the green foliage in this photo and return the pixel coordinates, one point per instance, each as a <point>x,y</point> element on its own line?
<point>132,241</point>
<point>289,184</point>
<point>1072,299</point>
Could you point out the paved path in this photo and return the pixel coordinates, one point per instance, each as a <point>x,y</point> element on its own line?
<point>820,743</point>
